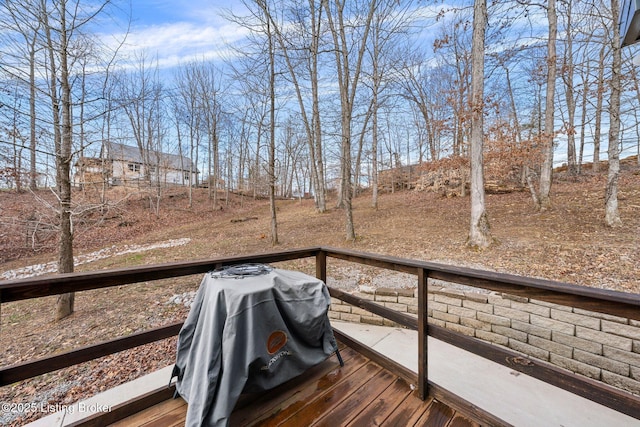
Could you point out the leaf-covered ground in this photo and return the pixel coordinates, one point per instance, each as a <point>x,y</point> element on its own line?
<point>569,243</point>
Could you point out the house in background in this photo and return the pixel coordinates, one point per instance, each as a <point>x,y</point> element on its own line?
<point>123,165</point>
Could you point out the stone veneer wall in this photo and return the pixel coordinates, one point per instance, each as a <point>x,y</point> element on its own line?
<point>598,346</point>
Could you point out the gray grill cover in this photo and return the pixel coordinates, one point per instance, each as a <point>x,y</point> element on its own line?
<point>247,335</point>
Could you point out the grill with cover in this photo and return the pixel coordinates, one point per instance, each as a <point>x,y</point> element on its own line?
<point>250,328</point>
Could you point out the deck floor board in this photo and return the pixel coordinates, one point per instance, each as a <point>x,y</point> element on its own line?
<point>361,393</point>
<point>349,409</point>
<point>381,408</point>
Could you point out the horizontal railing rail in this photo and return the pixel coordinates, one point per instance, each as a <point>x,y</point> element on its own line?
<point>15,290</point>
<point>597,300</point>
<point>23,371</point>
<point>22,289</point>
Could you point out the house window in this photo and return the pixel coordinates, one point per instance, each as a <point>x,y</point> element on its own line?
<point>186,176</point>
<point>134,167</point>
<point>152,169</point>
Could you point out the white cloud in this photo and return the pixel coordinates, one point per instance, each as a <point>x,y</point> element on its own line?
<point>183,39</point>
<point>180,41</point>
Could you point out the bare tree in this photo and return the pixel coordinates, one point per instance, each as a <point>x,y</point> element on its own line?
<point>452,45</point>
<point>252,110</point>
<point>11,131</point>
<point>272,129</point>
<point>612,216</point>
<point>62,21</point>
<point>546,170</point>
<point>61,31</point>
<point>568,71</point>
<point>261,65</point>
<point>139,96</point>
<point>599,107</point>
<point>348,80</point>
<point>585,76</point>
<point>305,30</point>
<point>54,21</point>
<point>189,114</point>
<point>390,21</point>
<point>177,115</point>
<point>20,16</point>
<point>479,232</point>
<point>426,88</point>
<point>209,105</point>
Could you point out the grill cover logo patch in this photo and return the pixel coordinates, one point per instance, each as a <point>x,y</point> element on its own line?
<point>276,341</point>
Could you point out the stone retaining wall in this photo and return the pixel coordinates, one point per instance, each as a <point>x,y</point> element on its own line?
<point>598,346</point>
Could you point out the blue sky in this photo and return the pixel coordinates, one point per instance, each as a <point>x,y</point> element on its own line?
<point>147,12</point>
<point>181,30</point>
<point>177,31</point>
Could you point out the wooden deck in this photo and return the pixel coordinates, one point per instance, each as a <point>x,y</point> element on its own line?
<point>361,393</point>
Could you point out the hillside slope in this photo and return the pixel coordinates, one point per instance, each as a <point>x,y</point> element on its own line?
<point>568,243</point>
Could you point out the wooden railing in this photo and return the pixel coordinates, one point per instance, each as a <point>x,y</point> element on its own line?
<point>597,300</point>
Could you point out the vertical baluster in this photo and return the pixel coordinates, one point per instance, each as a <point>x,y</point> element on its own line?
<point>321,265</point>
<point>423,376</point>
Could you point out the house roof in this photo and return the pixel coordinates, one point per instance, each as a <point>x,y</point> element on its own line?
<point>126,153</point>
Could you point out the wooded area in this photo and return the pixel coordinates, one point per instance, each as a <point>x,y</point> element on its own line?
<point>319,96</point>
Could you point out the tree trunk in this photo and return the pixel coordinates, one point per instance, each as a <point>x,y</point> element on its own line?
<point>216,163</point>
<point>66,248</point>
<point>374,158</point>
<point>33,182</point>
<point>316,143</point>
<point>376,76</point>
<point>479,232</point>
<point>363,132</point>
<point>272,137</point>
<point>636,84</point>
<point>569,95</point>
<point>345,181</point>
<point>583,118</point>
<point>612,216</point>
<point>547,163</point>
<point>62,139</point>
<point>599,102</point>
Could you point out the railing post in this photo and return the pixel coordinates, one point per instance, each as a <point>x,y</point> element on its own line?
<point>321,265</point>
<point>423,333</point>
